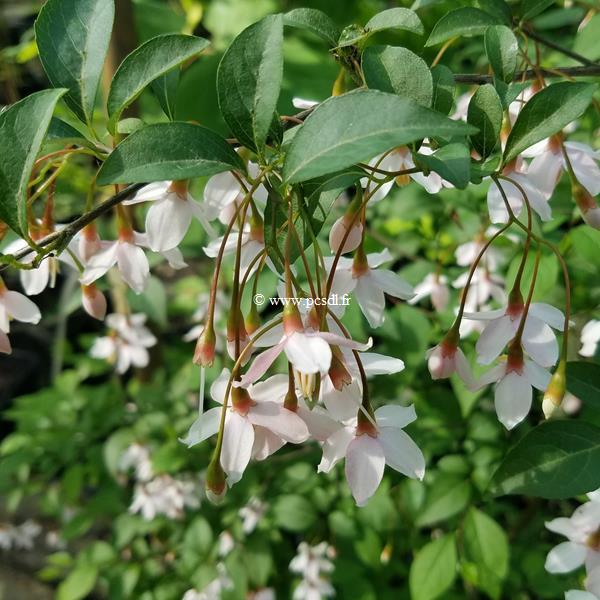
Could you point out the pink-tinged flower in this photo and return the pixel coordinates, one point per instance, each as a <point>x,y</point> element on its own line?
<point>550,160</point>
<point>533,183</point>
<point>14,305</point>
<point>367,450</point>
<point>466,254</point>
<point>170,215</point>
<point>583,547</point>
<point>308,350</point>
<point>590,336</point>
<point>447,358</point>
<point>368,283</point>
<point>539,341</point>
<point>303,104</point>
<point>93,301</point>
<point>338,231</point>
<point>126,255</point>
<point>127,343</point>
<point>247,411</point>
<point>89,242</point>
<point>515,380</point>
<point>311,562</point>
<point>251,514</point>
<point>434,285</point>
<point>590,211</point>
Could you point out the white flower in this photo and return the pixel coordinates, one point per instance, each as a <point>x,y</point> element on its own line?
<point>367,450</point>
<point>303,104</point>
<point>311,562</point>
<point>170,215</point>
<point>246,410</point>
<point>251,514</point>
<point>164,495</point>
<point>338,231</point>
<point>514,382</point>
<point>539,341</point>
<point>225,543</point>
<point>14,305</point>
<point>590,336</point>
<point>20,536</point>
<point>93,301</point>
<point>213,590</point>
<point>467,253</point>
<point>137,456</point>
<point>582,530</point>
<point>368,283</point>
<point>127,343</point>
<point>434,285</point>
<point>446,359</point>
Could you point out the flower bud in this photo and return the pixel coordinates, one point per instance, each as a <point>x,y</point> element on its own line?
<point>338,373</point>
<point>93,301</point>
<point>204,354</point>
<point>555,392</point>
<point>338,231</point>
<point>252,321</point>
<point>216,485</point>
<point>590,211</point>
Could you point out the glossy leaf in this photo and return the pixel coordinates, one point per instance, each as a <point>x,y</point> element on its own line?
<point>462,22</point>
<point>497,8</point>
<point>22,129</point>
<point>433,569</point>
<point>73,37</point>
<point>554,460</point>
<point>165,90</point>
<point>547,113</point>
<point>485,112</point>
<point>447,496</point>
<point>249,80</point>
<point>167,151</point>
<point>151,60</point>
<point>398,71</point>
<point>532,8</point>
<point>443,88</point>
<point>583,381</point>
<point>501,47</point>
<point>452,162</point>
<point>355,127</point>
<point>315,21</point>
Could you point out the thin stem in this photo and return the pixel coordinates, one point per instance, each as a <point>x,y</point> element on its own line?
<point>550,44</point>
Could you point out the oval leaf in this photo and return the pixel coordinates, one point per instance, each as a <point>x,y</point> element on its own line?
<point>249,80</point>
<point>547,113</point>
<point>315,21</point>
<point>452,162</point>
<point>168,151</point>
<point>396,18</point>
<point>399,71</point>
<point>145,64</point>
<point>555,460</point>
<point>501,47</point>
<point>532,8</point>
<point>464,22</point>
<point>434,569</point>
<point>485,113</point>
<point>443,88</point>
<point>22,129</point>
<point>72,37</point>
<point>583,381</point>
<point>355,127</point>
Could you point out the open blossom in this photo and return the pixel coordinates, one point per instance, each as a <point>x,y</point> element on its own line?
<point>583,545</point>
<point>312,562</point>
<point>247,411</point>
<point>164,495</point>
<point>447,358</point>
<point>590,336</point>
<point>251,514</point>
<point>20,537</point>
<point>93,301</point>
<point>435,286</point>
<point>137,457</point>
<point>127,344</point>
<point>466,254</point>
<point>171,213</point>
<point>14,305</point>
<point>539,341</point>
<point>515,380</point>
<point>214,589</point>
<point>368,283</point>
<point>368,448</point>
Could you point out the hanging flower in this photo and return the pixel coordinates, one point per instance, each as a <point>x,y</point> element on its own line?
<point>590,336</point>
<point>435,286</point>
<point>14,305</point>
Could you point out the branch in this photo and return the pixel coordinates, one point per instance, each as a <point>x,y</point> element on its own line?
<point>550,44</point>
<point>72,228</point>
<point>588,71</point>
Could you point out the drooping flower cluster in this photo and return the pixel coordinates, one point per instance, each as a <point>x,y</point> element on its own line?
<point>313,563</point>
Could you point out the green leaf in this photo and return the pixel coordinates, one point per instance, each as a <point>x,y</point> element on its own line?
<point>151,60</point>
<point>446,497</point>
<point>546,113</point>
<point>396,18</point>
<point>398,71</point>
<point>62,134</point>
<point>315,21</point>
<point>293,513</point>
<point>433,570</point>
<point>452,162</point>
<point>497,8</point>
<point>485,113</point>
<point>166,151</point>
<point>356,126</point>
<point>165,89</point>
<point>587,41</point>
<point>22,129</point>
<point>249,81</point>
<point>72,37</point>
<point>79,583</point>
<point>554,460</point>
<point>486,546</point>
<point>443,89</point>
<point>462,22</point>
<point>532,8</point>
<point>583,381</point>
<point>501,47</point>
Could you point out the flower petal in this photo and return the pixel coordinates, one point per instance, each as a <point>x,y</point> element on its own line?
<point>365,463</point>
<point>538,377</point>
<point>219,386</point>
<point>334,448</point>
<point>282,422</point>
<point>167,222</point>
<point>35,281</point>
<point>265,443</point>
<point>548,313</point>
<point>238,440</point>
<point>380,364</point>
<point>203,427</point>
<point>371,300</point>
<point>540,342</point>
<point>308,353</point>
<point>20,307</point>
<point>512,399</point>
<point>394,415</point>
<point>392,284</point>
<point>150,192</point>
<point>260,365</point>
<point>100,263</point>
<point>565,557</point>
<point>494,338</point>
<point>133,266</point>
<point>5,347</point>
<point>401,452</point>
